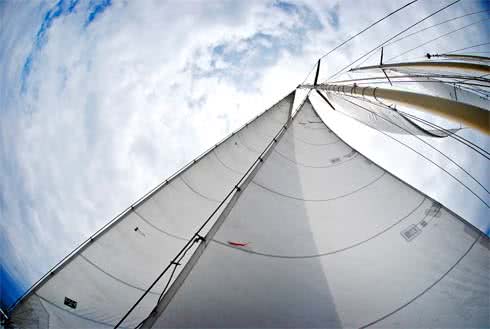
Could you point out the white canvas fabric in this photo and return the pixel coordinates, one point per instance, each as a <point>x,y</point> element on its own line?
<point>109,275</point>
<point>324,238</point>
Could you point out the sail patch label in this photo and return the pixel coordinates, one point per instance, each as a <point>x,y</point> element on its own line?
<point>70,303</point>
<point>411,232</point>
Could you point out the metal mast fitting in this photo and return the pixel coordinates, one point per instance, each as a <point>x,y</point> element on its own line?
<point>469,115</point>
<point>470,67</point>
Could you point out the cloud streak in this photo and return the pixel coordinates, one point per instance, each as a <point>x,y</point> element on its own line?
<point>101,100</point>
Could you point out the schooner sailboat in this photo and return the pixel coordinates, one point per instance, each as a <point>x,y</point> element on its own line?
<point>284,224</point>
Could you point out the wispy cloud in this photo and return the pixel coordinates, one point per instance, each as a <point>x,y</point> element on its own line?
<point>100,101</point>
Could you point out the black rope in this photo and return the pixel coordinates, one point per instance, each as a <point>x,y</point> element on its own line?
<point>393,37</point>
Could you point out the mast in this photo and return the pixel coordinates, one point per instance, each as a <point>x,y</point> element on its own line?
<point>463,66</point>
<point>473,116</point>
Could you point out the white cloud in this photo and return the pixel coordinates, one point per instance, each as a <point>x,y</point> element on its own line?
<point>113,107</point>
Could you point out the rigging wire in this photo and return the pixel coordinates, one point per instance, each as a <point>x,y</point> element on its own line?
<point>438,24</point>
<point>393,37</point>
<point>359,33</point>
<point>381,104</point>
<point>422,30</point>
<point>437,38</point>
<point>409,147</point>
<point>465,48</point>
<point>455,136</point>
<point>176,264</point>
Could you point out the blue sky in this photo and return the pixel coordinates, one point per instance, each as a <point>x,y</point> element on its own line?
<point>101,100</point>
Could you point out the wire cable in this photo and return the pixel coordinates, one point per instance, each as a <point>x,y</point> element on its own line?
<point>437,38</point>
<point>465,48</point>
<point>422,30</point>
<point>438,24</point>
<point>393,37</point>
<point>381,104</point>
<point>359,33</point>
<point>411,148</point>
<point>455,136</point>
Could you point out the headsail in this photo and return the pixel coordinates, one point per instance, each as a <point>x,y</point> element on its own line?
<point>327,233</point>
<point>96,287</point>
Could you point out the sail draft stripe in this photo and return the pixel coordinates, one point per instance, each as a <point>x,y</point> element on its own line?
<point>122,215</point>
<point>293,161</point>
<point>316,167</point>
<point>233,196</point>
<point>309,143</point>
<point>225,165</point>
<point>299,139</point>
<point>75,314</point>
<point>197,192</point>
<point>426,289</point>
<point>357,244</point>
<point>321,200</point>
<point>306,256</point>
<point>143,218</point>
<point>115,278</point>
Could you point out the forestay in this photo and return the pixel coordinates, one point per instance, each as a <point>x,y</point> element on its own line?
<point>96,287</point>
<point>323,237</point>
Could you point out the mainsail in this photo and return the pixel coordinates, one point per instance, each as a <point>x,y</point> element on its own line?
<point>96,286</point>
<point>316,236</point>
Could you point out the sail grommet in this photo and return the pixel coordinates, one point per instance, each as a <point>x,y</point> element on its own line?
<point>238,188</point>
<point>199,238</point>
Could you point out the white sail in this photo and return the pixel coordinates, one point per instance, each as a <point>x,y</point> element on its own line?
<point>323,237</point>
<point>97,286</point>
